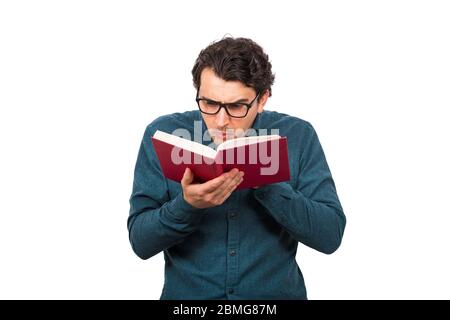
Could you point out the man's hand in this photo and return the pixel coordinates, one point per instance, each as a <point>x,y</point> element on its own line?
<point>211,193</point>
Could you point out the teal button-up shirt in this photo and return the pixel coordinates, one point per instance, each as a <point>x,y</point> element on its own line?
<point>246,247</point>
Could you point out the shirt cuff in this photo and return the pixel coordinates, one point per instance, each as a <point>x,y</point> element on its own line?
<point>273,197</point>
<point>274,192</point>
<point>181,210</point>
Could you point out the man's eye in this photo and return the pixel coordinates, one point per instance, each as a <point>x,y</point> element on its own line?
<point>235,106</point>
<point>211,103</point>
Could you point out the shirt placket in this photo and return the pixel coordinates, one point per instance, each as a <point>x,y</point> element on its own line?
<point>232,244</point>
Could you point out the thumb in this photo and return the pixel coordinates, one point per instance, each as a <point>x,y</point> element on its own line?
<point>188,177</point>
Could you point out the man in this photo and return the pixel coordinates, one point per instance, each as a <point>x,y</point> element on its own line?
<point>222,243</point>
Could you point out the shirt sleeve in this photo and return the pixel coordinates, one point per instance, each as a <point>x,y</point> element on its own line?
<point>155,221</point>
<point>311,213</point>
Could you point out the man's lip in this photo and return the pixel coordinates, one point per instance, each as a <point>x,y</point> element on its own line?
<point>223,135</point>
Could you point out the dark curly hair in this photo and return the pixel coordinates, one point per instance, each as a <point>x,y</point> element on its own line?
<point>236,59</point>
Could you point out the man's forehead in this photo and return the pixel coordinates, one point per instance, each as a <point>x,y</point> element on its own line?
<point>221,97</point>
<point>215,88</point>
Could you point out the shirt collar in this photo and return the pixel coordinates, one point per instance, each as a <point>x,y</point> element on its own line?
<point>255,126</point>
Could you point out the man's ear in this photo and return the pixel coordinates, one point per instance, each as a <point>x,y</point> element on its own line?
<point>262,101</point>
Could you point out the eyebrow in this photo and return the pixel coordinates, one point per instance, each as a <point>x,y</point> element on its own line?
<point>237,101</point>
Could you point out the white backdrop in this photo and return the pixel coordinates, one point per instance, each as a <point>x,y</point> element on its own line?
<point>80,80</point>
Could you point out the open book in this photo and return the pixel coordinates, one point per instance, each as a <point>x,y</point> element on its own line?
<point>264,159</point>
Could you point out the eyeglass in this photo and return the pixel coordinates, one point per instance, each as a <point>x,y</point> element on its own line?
<point>233,109</point>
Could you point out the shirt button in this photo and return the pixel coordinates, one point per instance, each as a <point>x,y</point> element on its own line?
<point>231,291</point>
<point>232,252</point>
<point>232,214</point>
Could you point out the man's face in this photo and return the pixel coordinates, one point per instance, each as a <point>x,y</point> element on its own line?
<point>217,89</point>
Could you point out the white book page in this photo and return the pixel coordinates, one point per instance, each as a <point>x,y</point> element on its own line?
<point>237,142</point>
<point>185,144</point>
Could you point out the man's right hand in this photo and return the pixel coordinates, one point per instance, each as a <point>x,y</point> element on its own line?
<point>211,193</point>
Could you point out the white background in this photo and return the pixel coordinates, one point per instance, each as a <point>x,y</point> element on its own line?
<point>80,80</point>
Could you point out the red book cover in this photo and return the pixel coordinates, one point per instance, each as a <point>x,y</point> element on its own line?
<point>264,159</point>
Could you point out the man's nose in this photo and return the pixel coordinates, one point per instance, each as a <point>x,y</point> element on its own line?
<point>222,118</point>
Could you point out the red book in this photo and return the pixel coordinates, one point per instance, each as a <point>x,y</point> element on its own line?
<point>264,159</point>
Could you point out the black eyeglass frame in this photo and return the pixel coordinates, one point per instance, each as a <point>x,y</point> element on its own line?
<point>224,105</point>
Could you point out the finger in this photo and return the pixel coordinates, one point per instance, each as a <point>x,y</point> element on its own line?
<point>232,177</point>
<point>230,190</point>
<point>188,177</point>
<point>231,186</point>
<point>218,183</point>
